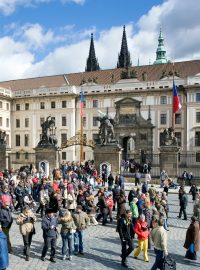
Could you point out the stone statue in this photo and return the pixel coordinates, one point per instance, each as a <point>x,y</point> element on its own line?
<point>106,130</point>
<point>48,137</point>
<point>2,137</point>
<point>168,138</point>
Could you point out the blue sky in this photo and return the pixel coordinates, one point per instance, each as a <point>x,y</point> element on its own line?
<point>46,37</point>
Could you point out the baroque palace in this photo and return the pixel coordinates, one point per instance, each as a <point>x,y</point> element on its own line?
<point>26,103</point>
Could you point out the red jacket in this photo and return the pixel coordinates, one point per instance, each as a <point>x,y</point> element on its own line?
<point>141,229</point>
<point>110,202</point>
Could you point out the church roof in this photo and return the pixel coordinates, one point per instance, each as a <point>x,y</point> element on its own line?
<point>109,76</point>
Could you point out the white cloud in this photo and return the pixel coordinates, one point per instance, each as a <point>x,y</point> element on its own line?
<point>180,25</point>
<point>79,2</point>
<point>8,6</point>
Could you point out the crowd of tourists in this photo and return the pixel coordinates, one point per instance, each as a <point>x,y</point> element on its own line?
<point>76,197</point>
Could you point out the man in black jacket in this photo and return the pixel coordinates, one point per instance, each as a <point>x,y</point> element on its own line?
<point>126,233</point>
<point>49,227</point>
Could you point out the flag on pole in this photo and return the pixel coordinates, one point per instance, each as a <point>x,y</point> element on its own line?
<point>82,103</point>
<point>176,101</point>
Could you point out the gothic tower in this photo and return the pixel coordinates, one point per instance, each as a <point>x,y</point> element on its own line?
<point>160,53</point>
<point>92,62</point>
<point>124,60</point>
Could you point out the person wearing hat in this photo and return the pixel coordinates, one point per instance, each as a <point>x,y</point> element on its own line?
<point>81,221</point>
<point>26,221</point>
<point>49,227</point>
<point>6,221</point>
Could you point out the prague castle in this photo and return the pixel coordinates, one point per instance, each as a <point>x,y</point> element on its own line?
<point>26,103</point>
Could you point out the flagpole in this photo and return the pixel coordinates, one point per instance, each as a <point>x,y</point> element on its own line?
<point>81,148</point>
<point>173,114</point>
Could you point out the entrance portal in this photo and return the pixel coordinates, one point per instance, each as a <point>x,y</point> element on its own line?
<point>129,147</point>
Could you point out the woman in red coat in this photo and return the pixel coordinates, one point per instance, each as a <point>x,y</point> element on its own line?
<point>141,229</point>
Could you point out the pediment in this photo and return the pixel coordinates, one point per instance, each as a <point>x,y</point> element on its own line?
<point>128,102</point>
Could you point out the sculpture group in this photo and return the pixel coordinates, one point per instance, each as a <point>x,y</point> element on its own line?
<point>48,137</point>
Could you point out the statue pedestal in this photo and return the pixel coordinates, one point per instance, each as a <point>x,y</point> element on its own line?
<point>169,160</point>
<point>4,157</point>
<point>109,154</point>
<point>48,157</point>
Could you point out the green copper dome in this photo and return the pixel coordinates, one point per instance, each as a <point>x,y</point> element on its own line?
<point>161,52</point>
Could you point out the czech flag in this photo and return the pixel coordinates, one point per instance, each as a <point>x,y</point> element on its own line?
<point>82,103</point>
<point>176,101</point>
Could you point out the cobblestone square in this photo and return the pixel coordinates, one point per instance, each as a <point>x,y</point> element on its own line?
<point>102,247</point>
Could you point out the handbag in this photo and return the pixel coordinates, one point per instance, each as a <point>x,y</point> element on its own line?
<point>191,253</point>
<point>169,263</point>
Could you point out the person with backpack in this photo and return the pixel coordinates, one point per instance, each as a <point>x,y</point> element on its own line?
<point>20,193</point>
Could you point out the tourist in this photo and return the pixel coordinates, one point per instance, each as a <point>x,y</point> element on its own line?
<point>49,227</point>
<point>20,193</point>
<point>26,222</point>
<point>126,233</point>
<point>159,238</point>
<point>192,239</point>
<point>71,201</point>
<point>141,229</point>
<point>137,177</point>
<point>67,230</point>
<point>190,178</point>
<point>110,181</point>
<point>110,204</point>
<point>43,200</point>
<point>131,195</point>
<point>6,222</point>
<point>134,211</point>
<point>163,177</point>
<point>184,178</point>
<point>193,191</point>
<point>81,221</point>
<point>103,208</point>
<point>4,258</point>
<point>183,204</point>
<point>121,204</point>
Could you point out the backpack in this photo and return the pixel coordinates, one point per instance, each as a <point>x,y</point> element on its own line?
<point>169,263</point>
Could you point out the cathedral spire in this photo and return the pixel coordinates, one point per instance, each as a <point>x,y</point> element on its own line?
<point>160,53</point>
<point>92,62</point>
<point>124,60</point>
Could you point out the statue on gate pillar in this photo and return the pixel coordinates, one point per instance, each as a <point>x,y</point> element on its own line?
<point>106,130</point>
<point>2,137</point>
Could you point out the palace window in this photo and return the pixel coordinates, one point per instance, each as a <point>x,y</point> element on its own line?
<point>163,119</point>
<point>42,105</point>
<point>63,137</point>
<point>177,118</point>
<point>17,140</point>
<point>7,106</point>
<point>7,122</point>
<point>64,121</point>
<point>26,140</point>
<point>17,155</point>
<point>26,106</point>
<point>53,104</point>
<point>1,121</point>
<point>163,100</point>
<point>17,107</point>
<point>64,104</point>
<point>95,103</point>
<point>26,155</point>
<point>95,121</point>
<point>26,122</point>
<point>197,97</point>
<point>178,136</point>
<point>84,121</point>
<point>17,123</point>
<point>197,138</point>
<point>64,155</point>
<point>197,117</point>
<point>1,104</point>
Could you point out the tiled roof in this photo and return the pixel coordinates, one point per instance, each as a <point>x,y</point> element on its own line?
<point>153,73</point>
